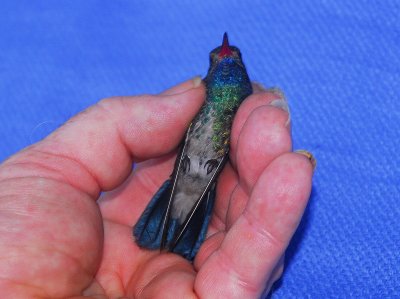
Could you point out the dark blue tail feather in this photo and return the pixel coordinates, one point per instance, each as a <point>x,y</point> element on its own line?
<point>148,230</point>
<point>196,231</point>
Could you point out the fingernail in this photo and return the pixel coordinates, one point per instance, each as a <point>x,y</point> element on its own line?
<point>310,157</point>
<point>185,86</point>
<point>281,103</point>
<point>197,81</point>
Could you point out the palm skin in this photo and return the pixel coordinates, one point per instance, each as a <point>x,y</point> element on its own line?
<point>59,240</point>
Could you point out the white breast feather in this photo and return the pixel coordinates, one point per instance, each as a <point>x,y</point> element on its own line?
<point>191,185</point>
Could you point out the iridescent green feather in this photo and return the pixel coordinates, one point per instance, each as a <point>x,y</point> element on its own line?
<point>225,101</point>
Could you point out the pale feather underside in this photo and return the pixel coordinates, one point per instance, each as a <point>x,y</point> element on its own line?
<point>199,163</point>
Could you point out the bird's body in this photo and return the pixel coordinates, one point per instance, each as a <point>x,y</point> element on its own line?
<point>177,217</point>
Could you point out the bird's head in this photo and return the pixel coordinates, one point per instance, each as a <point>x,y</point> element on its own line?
<point>225,53</point>
<point>226,67</point>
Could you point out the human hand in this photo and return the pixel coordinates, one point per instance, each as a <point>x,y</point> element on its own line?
<point>59,240</point>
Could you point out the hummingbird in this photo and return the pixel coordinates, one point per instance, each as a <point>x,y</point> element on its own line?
<point>177,217</point>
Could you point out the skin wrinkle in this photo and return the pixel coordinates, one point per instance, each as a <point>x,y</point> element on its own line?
<point>115,279</point>
<point>94,290</point>
<point>63,178</point>
<point>276,273</point>
<point>53,249</point>
<point>81,166</point>
<point>113,221</point>
<point>218,223</point>
<point>171,263</point>
<point>231,203</point>
<point>48,249</point>
<point>30,163</point>
<point>116,269</point>
<point>148,183</point>
<point>27,180</point>
<point>138,273</point>
<point>10,180</point>
<point>225,262</point>
<point>238,272</point>
<point>142,289</point>
<point>4,212</point>
<point>45,179</point>
<point>74,259</point>
<point>214,241</point>
<point>103,104</point>
<point>14,282</point>
<point>270,237</point>
<point>186,274</point>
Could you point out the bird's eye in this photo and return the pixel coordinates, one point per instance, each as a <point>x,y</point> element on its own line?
<point>211,165</point>
<point>213,57</point>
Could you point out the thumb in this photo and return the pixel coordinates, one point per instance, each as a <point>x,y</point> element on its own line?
<point>95,149</point>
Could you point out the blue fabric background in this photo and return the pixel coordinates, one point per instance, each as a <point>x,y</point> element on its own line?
<point>337,61</point>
